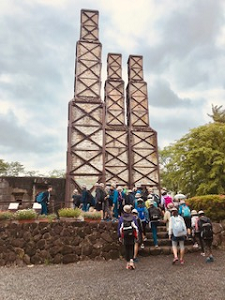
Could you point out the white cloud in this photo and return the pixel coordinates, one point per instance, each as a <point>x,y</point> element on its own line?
<point>182,46</point>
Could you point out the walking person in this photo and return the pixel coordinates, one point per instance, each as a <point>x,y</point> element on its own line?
<point>43,198</point>
<point>206,235</point>
<point>177,233</point>
<point>167,215</point>
<point>155,215</point>
<point>194,229</point>
<point>139,240</point>
<point>127,233</point>
<point>100,196</point>
<point>118,202</point>
<point>76,198</point>
<point>185,212</point>
<point>143,216</point>
<point>84,198</point>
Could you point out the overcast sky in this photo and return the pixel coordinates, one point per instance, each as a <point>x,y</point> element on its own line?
<point>182,43</point>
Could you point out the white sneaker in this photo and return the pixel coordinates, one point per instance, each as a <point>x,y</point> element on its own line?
<point>202,254</point>
<point>142,246</point>
<point>195,245</point>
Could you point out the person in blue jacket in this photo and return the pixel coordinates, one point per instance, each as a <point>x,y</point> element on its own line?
<point>45,200</point>
<point>118,202</point>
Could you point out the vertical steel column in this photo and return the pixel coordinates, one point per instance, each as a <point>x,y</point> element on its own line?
<point>85,128</point>
<point>143,150</point>
<point>116,132</point>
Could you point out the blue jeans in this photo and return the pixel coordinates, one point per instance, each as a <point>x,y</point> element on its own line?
<point>154,232</point>
<point>85,206</point>
<point>44,210</point>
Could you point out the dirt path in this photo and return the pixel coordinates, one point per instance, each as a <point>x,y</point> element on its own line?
<point>154,278</point>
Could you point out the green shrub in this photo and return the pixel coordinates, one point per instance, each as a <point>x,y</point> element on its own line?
<point>25,214</point>
<point>6,215</point>
<point>213,206</point>
<point>69,212</point>
<point>49,217</point>
<point>92,215</point>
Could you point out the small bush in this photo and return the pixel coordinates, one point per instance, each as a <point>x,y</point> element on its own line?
<point>49,217</point>
<point>92,215</point>
<point>25,214</point>
<point>69,212</point>
<point>6,215</point>
<point>213,206</point>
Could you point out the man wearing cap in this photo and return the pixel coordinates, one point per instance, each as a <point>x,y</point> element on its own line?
<point>127,233</point>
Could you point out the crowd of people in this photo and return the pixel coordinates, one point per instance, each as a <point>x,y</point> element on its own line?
<point>140,207</point>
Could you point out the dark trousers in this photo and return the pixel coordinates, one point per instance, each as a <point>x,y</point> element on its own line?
<point>144,227</point>
<point>129,252</point>
<point>44,209</point>
<point>201,242</point>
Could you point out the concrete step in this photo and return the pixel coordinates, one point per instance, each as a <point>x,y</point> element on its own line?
<point>160,235</point>
<point>159,228</point>
<point>164,242</point>
<point>163,250</point>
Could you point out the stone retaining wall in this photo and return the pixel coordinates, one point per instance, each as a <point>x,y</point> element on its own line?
<point>66,242</point>
<point>60,242</point>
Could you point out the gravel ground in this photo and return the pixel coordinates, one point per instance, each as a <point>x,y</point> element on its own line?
<point>154,278</point>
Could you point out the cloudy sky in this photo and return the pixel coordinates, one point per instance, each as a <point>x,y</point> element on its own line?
<point>182,43</point>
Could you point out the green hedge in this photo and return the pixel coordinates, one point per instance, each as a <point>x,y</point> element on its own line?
<point>213,206</point>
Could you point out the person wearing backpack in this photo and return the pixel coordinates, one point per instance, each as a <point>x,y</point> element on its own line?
<point>149,199</point>
<point>43,198</point>
<point>206,235</point>
<point>118,202</point>
<point>128,233</point>
<point>100,196</point>
<point>139,240</point>
<point>155,215</point>
<point>177,233</point>
<point>143,216</point>
<point>185,212</point>
<point>194,228</point>
<point>167,215</point>
<point>84,198</point>
<point>76,198</point>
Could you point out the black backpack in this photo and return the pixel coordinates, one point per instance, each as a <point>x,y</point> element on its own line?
<point>206,229</point>
<point>154,213</point>
<point>128,230</point>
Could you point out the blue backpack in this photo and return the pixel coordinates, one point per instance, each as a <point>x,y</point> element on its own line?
<point>186,211</point>
<point>40,197</point>
<point>141,213</point>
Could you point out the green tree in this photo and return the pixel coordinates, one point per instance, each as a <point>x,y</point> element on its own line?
<point>57,173</point>
<point>218,114</point>
<point>3,167</point>
<point>14,168</point>
<point>195,164</point>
